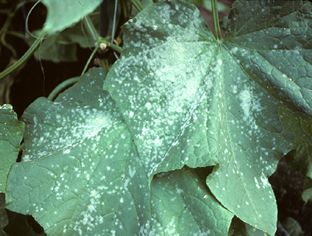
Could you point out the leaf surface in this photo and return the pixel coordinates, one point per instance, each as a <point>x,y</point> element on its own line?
<point>191,100</point>
<point>11,134</point>
<point>272,40</point>
<point>62,14</point>
<point>183,205</point>
<point>176,97</point>
<point>92,180</point>
<point>62,46</point>
<point>80,172</point>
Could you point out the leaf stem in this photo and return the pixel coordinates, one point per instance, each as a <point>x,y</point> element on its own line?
<point>215,15</point>
<point>23,59</point>
<point>137,4</point>
<point>60,87</point>
<point>89,60</point>
<point>91,29</point>
<point>97,38</point>
<point>113,46</point>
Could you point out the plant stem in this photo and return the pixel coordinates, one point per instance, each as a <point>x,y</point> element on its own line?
<point>137,4</point>
<point>23,59</point>
<point>91,29</point>
<point>97,38</point>
<point>89,60</point>
<point>215,15</point>
<point>113,46</point>
<point>60,87</point>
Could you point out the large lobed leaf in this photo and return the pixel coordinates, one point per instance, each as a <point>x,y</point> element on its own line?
<point>182,98</point>
<point>189,99</point>
<point>79,170</point>
<point>81,174</point>
<point>11,134</point>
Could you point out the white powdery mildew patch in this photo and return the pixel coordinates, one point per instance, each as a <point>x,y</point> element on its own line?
<point>250,105</point>
<point>64,129</point>
<point>6,107</point>
<point>95,124</point>
<point>265,182</point>
<point>89,218</point>
<point>262,182</point>
<point>245,98</point>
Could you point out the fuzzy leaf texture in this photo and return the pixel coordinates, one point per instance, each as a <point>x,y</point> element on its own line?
<point>191,100</point>
<point>92,180</point>
<point>11,134</point>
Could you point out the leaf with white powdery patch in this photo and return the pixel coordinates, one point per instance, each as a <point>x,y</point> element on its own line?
<point>189,100</point>
<point>11,134</point>
<point>80,172</point>
<point>272,40</point>
<point>92,180</point>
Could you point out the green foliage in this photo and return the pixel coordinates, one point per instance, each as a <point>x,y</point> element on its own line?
<point>183,89</point>
<point>63,14</point>
<point>61,47</point>
<point>119,153</point>
<point>11,134</point>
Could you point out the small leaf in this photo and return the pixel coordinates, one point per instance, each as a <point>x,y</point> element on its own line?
<point>62,14</point>
<point>11,134</point>
<point>307,195</point>
<point>182,206</point>
<point>54,49</point>
<point>62,46</point>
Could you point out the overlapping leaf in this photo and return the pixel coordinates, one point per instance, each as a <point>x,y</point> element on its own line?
<point>185,99</point>
<point>62,14</point>
<point>62,46</point>
<point>190,99</point>
<point>201,214</point>
<point>11,134</point>
<point>81,175</point>
<point>80,172</point>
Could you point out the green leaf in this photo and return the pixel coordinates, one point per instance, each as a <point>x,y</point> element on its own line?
<point>272,40</point>
<point>11,134</point>
<point>62,14</point>
<point>307,195</point>
<point>55,49</point>
<point>176,97</point>
<point>92,180</point>
<point>80,171</point>
<point>300,132</point>
<point>182,205</point>
<point>62,46</point>
<point>191,100</point>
